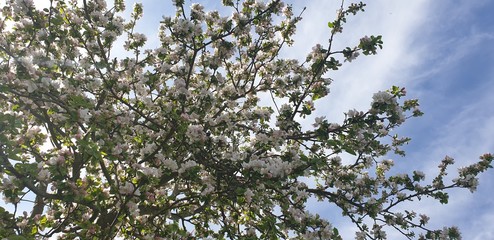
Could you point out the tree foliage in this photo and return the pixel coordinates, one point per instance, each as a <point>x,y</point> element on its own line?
<point>173,143</point>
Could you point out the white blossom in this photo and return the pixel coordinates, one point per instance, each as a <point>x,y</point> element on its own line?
<point>248,195</point>
<point>127,189</point>
<point>44,175</point>
<point>382,97</point>
<point>84,114</point>
<point>170,164</point>
<point>196,133</point>
<point>187,165</point>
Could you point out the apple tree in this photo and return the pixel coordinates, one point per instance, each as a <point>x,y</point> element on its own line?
<point>173,142</point>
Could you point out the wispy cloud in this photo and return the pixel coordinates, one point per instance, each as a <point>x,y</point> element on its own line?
<point>427,45</point>
<point>356,82</point>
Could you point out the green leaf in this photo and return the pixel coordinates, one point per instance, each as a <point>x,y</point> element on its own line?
<point>330,24</point>
<point>336,234</point>
<point>334,143</point>
<point>43,220</point>
<point>4,88</point>
<point>315,97</point>
<point>100,65</point>
<point>16,237</point>
<point>78,101</point>
<point>34,230</point>
<point>349,150</point>
<point>395,90</point>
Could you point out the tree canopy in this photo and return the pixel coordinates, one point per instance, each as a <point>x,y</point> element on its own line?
<point>173,142</point>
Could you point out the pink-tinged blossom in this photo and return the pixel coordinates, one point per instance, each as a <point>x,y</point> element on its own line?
<point>196,133</point>
<point>248,195</point>
<point>23,223</point>
<point>32,132</point>
<point>151,172</point>
<point>209,189</point>
<point>297,214</point>
<point>271,167</point>
<point>44,175</point>
<point>197,11</point>
<point>365,39</point>
<point>127,189</point>
<point>8,183</point>
<point>133,208</point>
<point>148,148</point>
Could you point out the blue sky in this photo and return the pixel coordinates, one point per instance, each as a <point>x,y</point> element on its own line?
<point>442,52</point>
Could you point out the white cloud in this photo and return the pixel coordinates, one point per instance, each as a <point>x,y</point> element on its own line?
<point>482,227</point>
<point>411,33</point>
<point>465,136</point>
<point>356,82</point>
